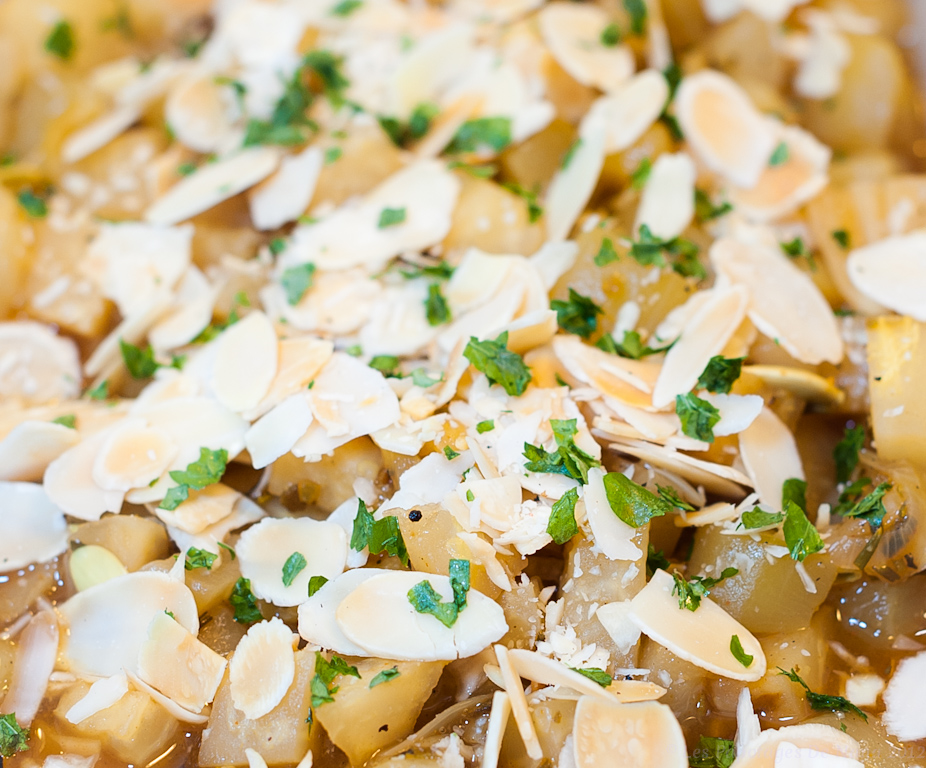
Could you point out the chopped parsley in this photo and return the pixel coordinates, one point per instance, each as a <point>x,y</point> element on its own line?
<point>419,123</point>
<point>288,125</point>
<point>650,251</point>
<point>377,535</point>
<point>630,347</point>
<point>450,453</point>
<point>706,210</point>
<point>736,648</point>
<point>440,271</point>
<point>385,676</point>
<point>640,176</point>
<point>638,13</point>
<point>13,738</point>
<point>562,524</point>
<point>436,308</point>
<point>100,391</point>
<point>656,560</point>
<point>698,417</point>
<point>198,558</point>
<point>459,581</point>
<point>780,156</point>
<point>68,420</point>
<point>568,459</point>
<point>758,518</point>
<point>795,490</point>
<point>425,599</point>
<point>610,35</point>
<point>244,602</point>
<point>327,66</point>
<point>346,7</point>
<point>491,132</point>
<point>691,592</point>
<point>633,503</point>
<point>332,154</point>
<point>485,426</point>
<point>671,496</point>
<point>385,364</point>
<point>842,238</point>
<point>390,217</point>
<point>296,281</point>
<point>228,549</point>
<point>578,315</point>
<point>606,253</point>
<point>498,363</point>
<point>534,209</point>
<point>845,454</point>
<point>32,204</point>
<point>60,41</point>
<point>316,583</point>
<point>821,700</point>
<point>795,248</point>
<point>477,171</point>
<point>139,362</point>
<point>119,22</point>
<point>277,245</point>
<point>801,538</point>
<point>721,373</point>
<point>325,672</point>
<point>871,508</point>
<point>293,566</point>
<point>595,675</point>
<point>206,470</point>
<point>713,752</point>
<point>421,379</point>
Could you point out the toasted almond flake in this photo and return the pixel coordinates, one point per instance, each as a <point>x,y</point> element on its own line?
<point>534,666</point>
<point>631,109</point>
<point>276,432</point>
<point>106,359</point>
<point>133,263</point>
<point>213,183</point>
<point>199,112</point>
<point>737,412</point>
<point>499,500</point>
<point>701,636</point>
<point>627,381</point>
<point>28,449</point>
<point>715,513</point>
<point>172,708</point>
<point>573,35</point>
<point>653,426</point>
<point>403,633</point>
<point>518,701</point>
<point>573,185</point>
<point>631,691</point>
<point>97,134</point>
<point>34,529</point>
<point>398,324</point>
<point>905,700</point>
<point>770,456</point>
<point>783,188</point>
<point>747,722</point>
<point>612,535</point>
<point>805,384</point>
<point>264,548</point>
<point>245,362</point>
<point>531,330</point>
<point>553,260</point>
<point>823,56</point>
<point>724,128</point>
<point>189,315</point>
<point>254,758</point>
<point>784,303</point>
<point>132,455</point>
<point>69,481</point>
<point>667,203</point>
<point>772,10</point>
<point>202,509</point>
<point>762,751</point>
<point>483,553</point>
<point>286,195</point>
<point>262,668</point>
<point>243,513</point>
<point>704,337</point>
<point>637,735</point>
<point>102,694</point>
<point>792,756</point>
<point>109,623</point>
<point>317,616</point>
<point>863,690</point>
<point>92,564</point>
<point>615,618</point>
<point>193,675</point>
<point>893,272</point>
<point>299,360</point>
<point>306,761</point>
<point>38,366</point>
<point>498,719</point>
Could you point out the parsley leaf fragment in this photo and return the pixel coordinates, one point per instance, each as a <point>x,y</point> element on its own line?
<point>436,308</point>
<point>713,752</point>
<point>385,676</point>
<point>325,672</point>
<point>845,454</point>
<point>801,538</point>
<point>822,700</point>
<point>296,281</point>
<point>794,489</point>
<point>425,599</point>
<point>244,602</point>
<point>698,417</point>
<point>842,238</point>
<point>610,35</point>
<point>631,347</point>
<point>871,508</point>
<point>758,518</point>
<point>498,363</point>
<point>595,675</point>
<point>485,426</point>
<point>691,592</point>
<point>721,373</point>
<point>68,420</point>
<point>390,217</point>
<point>736,648</point>
<point>655,560</point>
<point>562,523</point>
<point>641,175</point>
<point>569,459</point>
<point>638,15</point>
<point>206,470</point>
<point>633,503</point>
<point>606,253</point>
<point>32,204</point>
<point>491,132</point>
<point>346,7</point>
<point>578,315</point>
<point>377,535</point>
<point>316,583</point>
<point>780,156</point>
<point>13,738</point>
<point>60,41</point>
<point>293,566</point>
<point>198,558</point>
<point>139,362</point>
<point>706,210</point>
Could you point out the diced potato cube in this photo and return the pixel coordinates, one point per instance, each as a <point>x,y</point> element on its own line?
<point>211,586</point>
<point>363,720</point>
<point>134,540</point>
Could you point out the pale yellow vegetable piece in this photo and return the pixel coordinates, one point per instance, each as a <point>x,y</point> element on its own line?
<point>91,565</point>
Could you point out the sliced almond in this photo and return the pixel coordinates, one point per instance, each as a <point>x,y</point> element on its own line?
<point>702,636</point>
<point>38,365</point>
<point>498,719</point>
<point>784,303</point>
<point>805,384</point>
<point>102,694</point>
<point>172,708</point>
<point>264,549</point>
<point>243,513</point>
<point>638,735</point>
<point>631,109</point>
<point>518,701</point>
<point>202,509</point>
<point>92,564</point>
<point>34,527</point>
<point>615,618</point>
<point>652,426</point>
<point>98,133</point>
<point>904,700</point>
<point>378,616</point>
<point>736,412</point>
<point>245,362</point>
<point>724,128</point>
<point>190,314</point>
<point>398,324</point>
<point>892,272</point>
<point>715,513</point>
<point>823,57</point>
<point>770,456</point>
<point>616,539</point>
<point>573,35</point>
<point>31,446</point>
<point>747,722</point>
<point>69,481</point>
<point>299,360</point>
<point>192,675</point>
<point>286,195</point>
<point>132,456</point>
<point>213,183</point>
<point>763,752</point>
<point>531,330</point>
<point>628,381</point>
<point>276,432</point>
<point>667,203</point>
<point>108,624</point>
<point>538,668</point>
<point>262,668</point>
<point>704,337</point>
<point>199,111</point>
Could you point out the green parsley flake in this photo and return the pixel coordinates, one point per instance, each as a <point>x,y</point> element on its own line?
<point>421,379</point>
<point>570,153</point>
<point>139,362</point>
<point>534,209</point>
<point>206,470</point>
<point>440,271</point>
<point>569,459</point>
<point>578,315</point>
<point>650,251</point>
<point>346,7</point>
<point>244,602</point>
<point>633,503</point>
<point>355,350</point>
<point>385,676</point>
<point>436,308</point>
<point>32,204</point>
<point>822,701</point>
<point>231,552</point>
<point>794,248</point>
<point>316,583</point>
<point>325,672</point>
<point>296,281</point>
<point>562,524</point>
<point>631,346</point>
<point>377,535</point>
<point>385,364</point>
<point>780,156</point>
<point>842,237</point>
<point>871,508</point>
<point>13,738</point>
<point>656,560</point>
<point>801,537</point>
<point>713,752</point>
<point>698,417</point>
<point>60,41</point>
<point>477,171</point>
<point>198,558</point>
<point>736,648</point>
<point>470,496</point>
<point>100,391</point>
<point>459,572</point>
<point>332,154</point>
<point>638,14</point>
<point>640,176</point>
<point>758,518</point>
<point>606,253</point>
<point>425,599</point>
<point>721,373</point>
<point>691,592</point>
<point>68,420</point>
<point>390,217</point>
<point>485,426</point>
<point>595,675</point>
<point>610,35</point>
<point>293,566</point>
<point>705,210</point>
<point>450,453</point>
<point>484,132</point>
<point>846,452</point>
<point>277,245</point>
<point>795,490</point>
<point>498,363</point>
<point>671,496</point>
<point>327,66</point>
<point>288,124</point>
